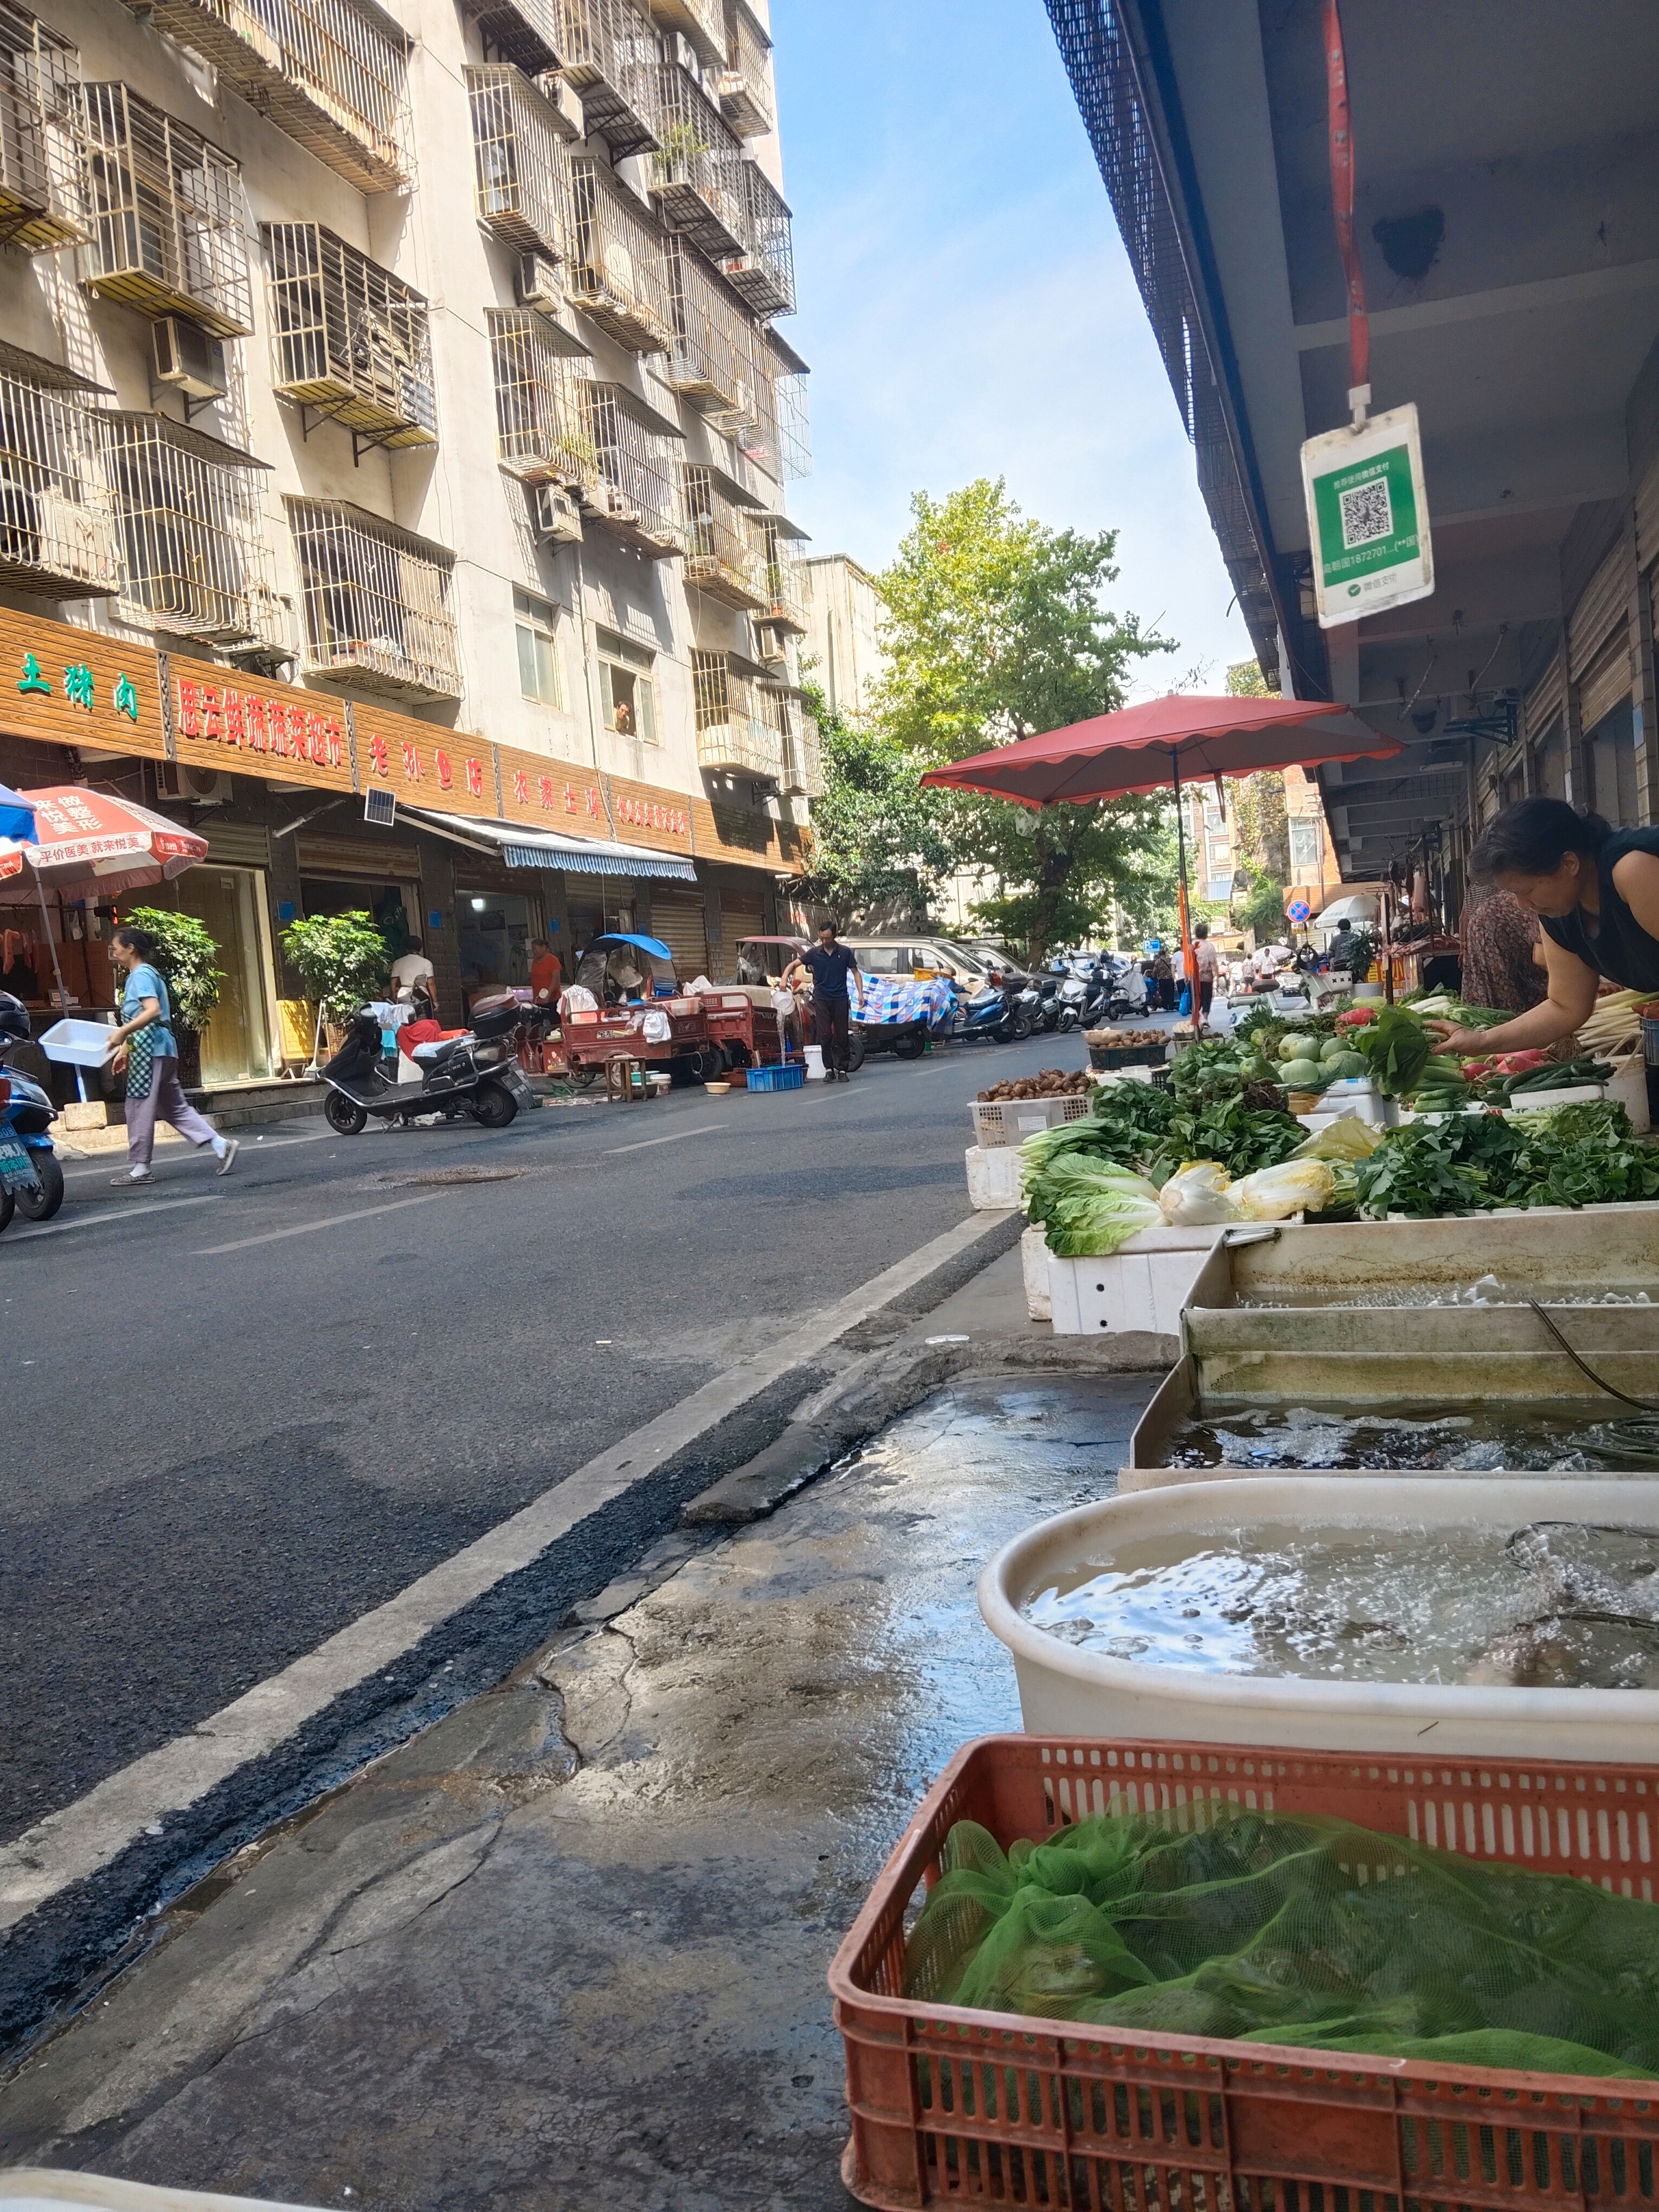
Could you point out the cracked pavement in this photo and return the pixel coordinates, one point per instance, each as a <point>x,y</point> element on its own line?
<point>568,1947</point>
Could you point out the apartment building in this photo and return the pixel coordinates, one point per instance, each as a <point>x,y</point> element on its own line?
<point>843,640</point>
<point>395,432</point>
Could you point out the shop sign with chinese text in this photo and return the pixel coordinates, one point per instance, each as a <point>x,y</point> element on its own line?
<point>1368,518</point>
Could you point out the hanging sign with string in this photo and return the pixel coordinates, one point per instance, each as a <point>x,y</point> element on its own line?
<point>1368,514</point>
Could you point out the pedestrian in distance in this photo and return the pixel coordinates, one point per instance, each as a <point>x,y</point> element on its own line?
<point>143,1043</point>
<point>1205,959</point>
<point>835,972</point>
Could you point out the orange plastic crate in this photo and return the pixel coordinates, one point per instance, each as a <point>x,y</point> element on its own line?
<point>954,2106</point>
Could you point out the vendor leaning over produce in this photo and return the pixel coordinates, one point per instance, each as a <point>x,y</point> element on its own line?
<point>1595,891</point>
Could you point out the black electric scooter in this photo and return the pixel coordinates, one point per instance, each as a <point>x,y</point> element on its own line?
<point>476,1075</point>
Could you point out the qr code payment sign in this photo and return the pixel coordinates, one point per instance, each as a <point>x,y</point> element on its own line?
<point>1367,513</point>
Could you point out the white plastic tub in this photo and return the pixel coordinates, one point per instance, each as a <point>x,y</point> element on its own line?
<point>1064,1691</point>
<point>25,2189</point>
<point>74,1043</point>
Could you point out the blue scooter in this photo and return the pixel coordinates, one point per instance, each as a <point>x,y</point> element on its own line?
<point>996,1013</point>
<point>31,1176</point>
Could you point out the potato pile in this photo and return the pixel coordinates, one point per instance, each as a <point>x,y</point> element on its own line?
<point>1136,1038</point>
<point>1052,1083</point>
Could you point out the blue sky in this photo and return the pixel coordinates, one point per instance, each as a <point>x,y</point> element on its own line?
<point>967,306</point>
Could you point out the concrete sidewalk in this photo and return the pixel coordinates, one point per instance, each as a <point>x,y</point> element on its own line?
<point>568,1948</point>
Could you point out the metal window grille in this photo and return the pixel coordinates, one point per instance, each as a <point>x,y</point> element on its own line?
<point>696,172</point>
<point>638,491</point>
<point>733,735</point>
<point>711,358</point>
<point>542,427</point>
<point>349,341</point>
<point>809,745</point>
<point>783,608</point>
<point>192,538</point>
<point>41,131</point>
<point>763,274</point>
<point>165,234</point>
<point>57,524</point>
<point>618,270</point>
<point>743,82</point>
<point>794,427</point>
<point>523,32</point>
<point>332,74</point>
<point>609,53</point>
<point>521,190</point>
<point>700,21</point>
<point>377,601</point>
<point>721,557</point>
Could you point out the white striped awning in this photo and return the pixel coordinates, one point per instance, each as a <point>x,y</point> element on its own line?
<point>548,848</point>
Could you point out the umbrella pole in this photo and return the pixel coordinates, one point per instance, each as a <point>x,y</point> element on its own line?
<point>1186,929</point>
<point>51,943</point>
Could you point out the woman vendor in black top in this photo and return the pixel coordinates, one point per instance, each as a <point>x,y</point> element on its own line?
<point>1595,892</point>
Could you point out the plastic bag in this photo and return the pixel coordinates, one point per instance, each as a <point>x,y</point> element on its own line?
<point>1197,1193</point>
<point>655,1027</point>
<point>1304,1186</point>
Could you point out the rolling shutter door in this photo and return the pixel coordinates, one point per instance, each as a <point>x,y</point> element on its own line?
<point>678,918</point>
<point>742,915</point>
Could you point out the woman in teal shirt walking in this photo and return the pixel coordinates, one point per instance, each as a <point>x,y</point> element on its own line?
<point>145,1045</point>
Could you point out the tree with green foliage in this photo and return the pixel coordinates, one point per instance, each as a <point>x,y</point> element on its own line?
<point>996,629</point>
<point>1263,910</point>
<point>340,958</point>
<point>187,958</point>
<point>881,843</point>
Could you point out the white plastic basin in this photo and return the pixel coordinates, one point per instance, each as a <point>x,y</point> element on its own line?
<point>1066,1691</point>
<point>74,1043</point>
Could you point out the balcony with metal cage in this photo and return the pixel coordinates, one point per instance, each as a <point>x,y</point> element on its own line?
<point>165,229</point>
<point>700,23</point>
<point>696,172</point>
<point>521,188</point>
<point>711,360</point>
<point>782,609</point>
<point>722,559</point>
<point>763,273</point>
<point>523,32</point>
<point>42,135</point>
<point>58,533</point>
<point>618,272</point>
<point>608,53</point>
<point>637,494</point>
<point>350,343</point>
<point>332,74</point>
<point>733,739</point>
<point>542,426</point>
<point>194,555</point>
<point>742,82</point>
<point>376,602</point>
<point>807,765</point>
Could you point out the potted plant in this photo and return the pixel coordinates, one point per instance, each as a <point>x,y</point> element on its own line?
<point>341,960</point>
<point>187,958</point>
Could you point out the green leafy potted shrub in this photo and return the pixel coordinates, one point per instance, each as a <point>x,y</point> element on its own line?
<point>341,960</point>
<point>188,958</point>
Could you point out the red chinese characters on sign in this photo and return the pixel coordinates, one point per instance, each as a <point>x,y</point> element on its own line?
<point>445,769</point>
<point>475,778</point>
<point>648,814</point>
<point>253,722</point>
<point>522,787</point>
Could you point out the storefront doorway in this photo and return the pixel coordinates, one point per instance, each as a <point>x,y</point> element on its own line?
<point>230,903</point>
<point>493,930</point>
<point>392,908</point>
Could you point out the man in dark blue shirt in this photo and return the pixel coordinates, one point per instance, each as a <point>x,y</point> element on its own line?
<point>832,968</point>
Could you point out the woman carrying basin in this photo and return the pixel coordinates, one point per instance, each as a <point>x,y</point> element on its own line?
<point>1595,892</point>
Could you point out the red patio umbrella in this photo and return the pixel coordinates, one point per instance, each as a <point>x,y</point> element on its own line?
<point>1150,748</point>
<point>90,840</point>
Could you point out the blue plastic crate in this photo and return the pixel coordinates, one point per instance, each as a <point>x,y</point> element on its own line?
<point>789,1078</point>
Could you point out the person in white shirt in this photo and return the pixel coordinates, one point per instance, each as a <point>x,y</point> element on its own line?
<point>413,979</point>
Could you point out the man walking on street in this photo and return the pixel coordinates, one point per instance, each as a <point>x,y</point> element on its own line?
<point>1205,959</point>
<point>832,968</point>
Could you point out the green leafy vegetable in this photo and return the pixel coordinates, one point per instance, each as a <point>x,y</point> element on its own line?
<point>1396,1048</point>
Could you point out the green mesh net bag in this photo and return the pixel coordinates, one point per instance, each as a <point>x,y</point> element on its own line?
<point>1295,1929</point>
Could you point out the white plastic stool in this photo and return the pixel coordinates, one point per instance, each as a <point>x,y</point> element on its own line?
<point>815,1063</point>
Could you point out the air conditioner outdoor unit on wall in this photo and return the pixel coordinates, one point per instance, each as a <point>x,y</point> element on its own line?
<point>557,515</point>
<point>188,359</point>
<point>192,787</point>
<point>539,284</point>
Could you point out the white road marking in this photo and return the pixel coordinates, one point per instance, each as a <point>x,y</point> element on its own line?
<point>68,1845</point>
<point>113,1213</point>
<point>644,1143</point>
<point>310,1227</point>
<point>172,1156</point>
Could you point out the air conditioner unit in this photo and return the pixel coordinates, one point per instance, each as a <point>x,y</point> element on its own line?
<point>557,515</point>
<point>538,283</point>
<point>192,787</point>
<point>188,359</point>
<point>568,115</point>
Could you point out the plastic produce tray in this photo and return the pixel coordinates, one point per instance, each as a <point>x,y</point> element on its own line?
<point>788,1078</point>
<point>1127,1056</point>
<point>1011,1121</point>
<point>950,2105</point>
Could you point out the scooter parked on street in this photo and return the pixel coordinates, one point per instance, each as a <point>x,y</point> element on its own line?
<point>474,1076</point>
<point>26,1115</point>
<point>996,1012</point>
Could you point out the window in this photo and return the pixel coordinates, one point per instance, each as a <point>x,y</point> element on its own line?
<point>1304,847</point>
<point>538,658</point>
<point>627,690</point>
<point>883,959</point>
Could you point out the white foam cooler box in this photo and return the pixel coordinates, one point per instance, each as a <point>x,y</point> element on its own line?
<point>1143,1284</point>
<point>993,1178</point>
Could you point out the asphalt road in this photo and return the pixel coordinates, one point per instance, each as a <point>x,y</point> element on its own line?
<point>245,1411</point>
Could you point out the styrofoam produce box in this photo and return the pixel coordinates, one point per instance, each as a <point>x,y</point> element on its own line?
<point>1033,1266</point>
<point>993,1178</point>
<point>1143,1284</point>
